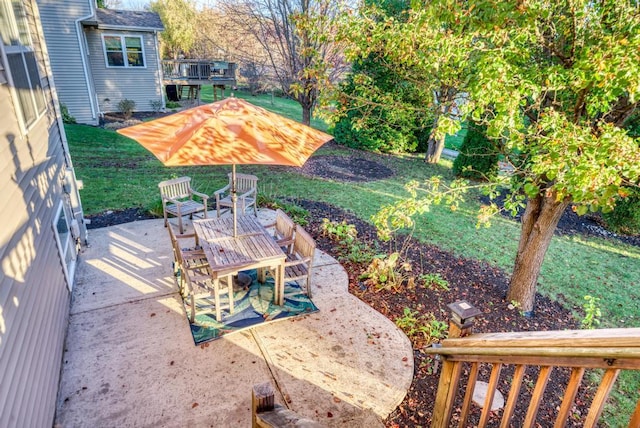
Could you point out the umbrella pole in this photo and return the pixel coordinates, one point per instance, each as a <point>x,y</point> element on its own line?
<point>234,200</point>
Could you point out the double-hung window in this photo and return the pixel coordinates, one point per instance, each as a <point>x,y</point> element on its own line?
<point>21,61</point>
<point>123,51</point>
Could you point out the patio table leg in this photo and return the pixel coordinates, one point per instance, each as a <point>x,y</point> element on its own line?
<point>262,275</point>
<point>216,292</point>
<point>280,285</point>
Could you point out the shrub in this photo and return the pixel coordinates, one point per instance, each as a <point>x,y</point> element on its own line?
<point>172,104</point>
<point>388,273</point>
<point>478,158</point>
<point>126,107</point>
<point>298,214</point>
<point>625,218</point>
<point>421,329</point>
<point>66,116</point>
<point>378,111</point>
<point>156,105</point>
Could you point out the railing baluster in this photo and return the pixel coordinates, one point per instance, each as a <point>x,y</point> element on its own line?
<point>514,393</point>
<point>468,396</point>
<point>538,392</point>
<point>447,388</point>
<point>491,392</point>
<point>635,418</point>
<point>600,398</point>
<point>569,396</point>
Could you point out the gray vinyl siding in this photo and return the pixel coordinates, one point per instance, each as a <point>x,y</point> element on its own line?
<point>34,298</point>
<point>58,23</point>
<point>114,84</point>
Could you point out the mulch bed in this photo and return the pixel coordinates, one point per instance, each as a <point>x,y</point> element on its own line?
<point>479,283</point>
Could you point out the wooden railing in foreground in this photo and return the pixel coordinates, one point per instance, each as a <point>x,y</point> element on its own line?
<point>612,350</point>
<point>266,414</point>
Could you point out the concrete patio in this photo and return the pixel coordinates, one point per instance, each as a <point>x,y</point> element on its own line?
<point>130,359</point>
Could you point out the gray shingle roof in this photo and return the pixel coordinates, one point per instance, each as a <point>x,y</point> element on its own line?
<point>126,19</point>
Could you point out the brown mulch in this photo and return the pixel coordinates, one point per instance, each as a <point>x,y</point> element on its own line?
<point>478,283</point>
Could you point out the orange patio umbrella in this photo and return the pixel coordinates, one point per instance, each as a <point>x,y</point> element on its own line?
<point>227,132</point>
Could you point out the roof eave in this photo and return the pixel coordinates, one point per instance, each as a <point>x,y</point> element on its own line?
<point>121,27</point>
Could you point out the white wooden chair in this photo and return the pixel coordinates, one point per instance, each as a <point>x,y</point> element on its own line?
<point>298,264</point>
<point>246,191</point>
<point>178,200</point>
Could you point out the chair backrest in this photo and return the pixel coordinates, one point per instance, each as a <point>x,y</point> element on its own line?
<point>245,182</point>
<point>174,244</point>
<point>284,225</point>
<point>179,247</point>
<point>303,243</point>
<point>176,188</point>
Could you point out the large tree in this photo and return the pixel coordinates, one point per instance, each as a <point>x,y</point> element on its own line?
<point>554,82</point>
<point>220,36</point>
<point>380,109</point>
<point>178,17</point>
<point>422,57</point>
<point>296,35</point>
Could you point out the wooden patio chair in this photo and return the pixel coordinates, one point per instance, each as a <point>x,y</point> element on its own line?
<point>178,200</point>
<point>187,252</point>
<point>298,264</point>
<point>246,191</point>
<point>283,230</point>
<point>201,285</point>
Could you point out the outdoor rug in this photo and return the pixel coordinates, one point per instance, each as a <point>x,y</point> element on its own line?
<point>253,305</point>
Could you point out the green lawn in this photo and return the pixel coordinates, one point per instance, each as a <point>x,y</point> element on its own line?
<point>118,173</point>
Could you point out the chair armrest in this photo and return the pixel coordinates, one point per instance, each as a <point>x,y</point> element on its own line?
<point>201,195</point>
<point>301,261</point>
<point>222,191</point>
<point>244,195</point>
<point>173,201</point>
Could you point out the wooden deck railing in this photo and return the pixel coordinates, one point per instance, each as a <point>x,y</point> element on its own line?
<point>266,414</point>
<point>198,70</point>
<point>547,353</point>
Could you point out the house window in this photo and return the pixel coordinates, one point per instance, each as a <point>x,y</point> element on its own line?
<point>123,51</point>
<point>21,61</point>
<point>66,243</point>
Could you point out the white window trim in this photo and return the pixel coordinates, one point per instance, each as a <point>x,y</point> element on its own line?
<point>69,272</point>
<point>11,49</point>
<point>124,53</point>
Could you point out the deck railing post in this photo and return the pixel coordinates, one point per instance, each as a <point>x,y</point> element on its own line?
<point>460,325</point>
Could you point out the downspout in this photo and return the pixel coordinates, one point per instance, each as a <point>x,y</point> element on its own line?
<point>160,70</point>
<point>85,69</point>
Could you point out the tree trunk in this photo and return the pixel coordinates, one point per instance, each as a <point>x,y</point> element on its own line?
<point>435,147</point>
<point>306,115</point>
<point>306,102</point>
<point>539,221</point>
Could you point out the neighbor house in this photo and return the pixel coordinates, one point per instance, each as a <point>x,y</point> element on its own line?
<point>42,223</point>
<point>101,57</point>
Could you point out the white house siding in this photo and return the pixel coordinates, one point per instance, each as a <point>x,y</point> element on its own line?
<point>114,84</point>
<point>66,56</point>
<point>34,298</point>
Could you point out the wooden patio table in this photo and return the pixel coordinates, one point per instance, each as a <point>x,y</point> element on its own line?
<point>252,248</point>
